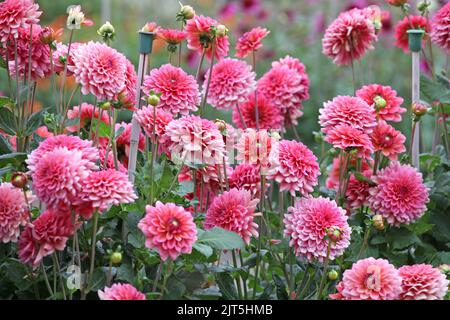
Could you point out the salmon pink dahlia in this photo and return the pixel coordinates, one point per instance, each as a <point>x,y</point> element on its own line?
<point>196,140</point>
<point>307,224</point>
<point>250,41</point>
<point>200,37</point>
<point>231,82</point>
<point>246,177</point>
<point>348,138</point>
<point>88,113</point>
<point>169,229</point>
<point>129,91</point>
<point>399,195</point>
<point>15,14</point>
<point>172,37</point>
<point>298,168</point>
<point>179,91</point>
<point>99,69</point>
<point>411,22</point>
<point>384,100</point>
<point>388,140</point>
<point>351,111</point>
<point>14,212</point>
<point>124,139</point>
<point>440,28</point>
<point>120,291</point>
<point>371,279</point>
<point>349,37</point>
<point>146,119</point>
<point>234,211</point>
<point>269,116</point>
<point>47,234</point>
<point>423,282</point>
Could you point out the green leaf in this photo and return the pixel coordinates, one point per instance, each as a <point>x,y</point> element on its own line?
<point>7,121</point>
<point>103,131</point>
<point>421,226</point>
<point>5,147</point>
<point>15,159</point>
<point>402,238</point>
<point>221,239</point>
<point>175,289</point>
<point>226,286</point>
<point>204,249</point>
<point>3,63</point>
<point>98,280</point>
<point>360,177</point>
<point>433,91</point>
<point>34,122</point>
<point>126,273</point>
<point>281,287</point>
<point>6,101</point>
<point>268,290</point>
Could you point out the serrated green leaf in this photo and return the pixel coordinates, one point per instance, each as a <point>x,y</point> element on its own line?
<point>221,239</point>
<point>204,249</point>
<point>7,121</point>
<point>34,122</point>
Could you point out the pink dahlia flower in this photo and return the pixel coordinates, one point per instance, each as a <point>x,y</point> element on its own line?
<point>123,142</point>
<point>347,138</point>
<point>88,152</point>
<point>145,117</point>
<point>106,188</point>
<point>45,235</point>
<point>129,90</point>
<point>411,22</point>
<point>88,113</point>
<point>250,41</point>
<point>170,229</point>
<point>109,164</point>
<point>172,37</point>
<point>14,212</point>
<point>269,116</point>
<point>440,28</point>
<point>371,279</point>
<point>213,177</point>
<point>388,140</point>
<point>120,291</point>
<point>234,211</point>
<point>400,195</point>
<point>246,177</point>
<point>307,224</point>
<point>423,282</point>
<point>333,175</point>
<point>351,111</point>
<point>60,58</point>
<point>15,14</point>
<point>294,64</point>
<point>199,37</point>
<point>179,91</point>
<point>99,69</point>
<point>196,140</point>
<point>349,37</point>
<point>298,168</point>
<point>392,110</point>
<point>357,193</point>
<point>231,83</point>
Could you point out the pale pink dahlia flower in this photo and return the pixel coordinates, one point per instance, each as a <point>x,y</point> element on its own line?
<point>179,90</point>
<point>296,65</point>
<point>99,69</point>
<point>423,282</point>
<point>234,211</point>
<point>298,168</point>
<point>196,140</point>
<point>129,91</point>
<point>14,212</point>
<point>250,41</point>
<point>123,141</point>
<point>120,291</point>
<point>199,37</point>
<point>60,58</point>
<point>15,14</point>
<point>145,117</point>
<point>440,28</point>
<point>411,22</point>
<point>307,223</point>
<point>389,141</point>
<point>347,110</point>
<point>399,195</point>
<point>45,235</point>
<point>392,111</point>
<point>169,229</point>
<point>246,177</point>
<point>348,138</point>
<point>231,83</point>
<point>269,116</point>
<point>88,113</point>
<point>349,37</point>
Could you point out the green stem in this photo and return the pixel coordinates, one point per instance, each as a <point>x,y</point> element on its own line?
<point>238,278</point>
<point>93,247</point>
<point>58,270</point>
<point>324,275</point>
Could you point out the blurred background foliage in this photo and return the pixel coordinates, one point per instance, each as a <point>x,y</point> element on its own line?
<point>296,26</point>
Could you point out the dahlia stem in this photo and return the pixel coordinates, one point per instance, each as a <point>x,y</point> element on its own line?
<point>258,249</point>
<point>436,134</point>
<point>175,178</point>
<point>241,259</point>
<point>444,124</point>
<point>213,53</point>
<point>240,116</point>
<point>63,83</point>
<point>58,270</point>
<point>66,109</point>
<point>158,276</point>
<point>28,79</point>
<point>112,140</point>
<point>8,71</point>
<point>199,67</point>
<point>324,275</point>
<point>181,45</point>
<point>238,278</point>
<point>225,175</point>
<point>53,79</point>
<point>365,241</point>
<point>302,284</point>
<point>109,276</point>
<point>153,154</point>
<point>47,283</point>
<point>256,92</point>
<point>93,246</point>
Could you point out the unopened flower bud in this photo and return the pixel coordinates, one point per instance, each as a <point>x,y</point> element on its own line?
<point>274,241</point>
<point>444,268</point>
<point>221,31</point>
<point>116,257</point>
<point>378,222</point>
<point>423,6</point>
<point>186,12</point>
<point>333,275</point>
<point>318,136</point>
<point>419,109</point>
<point>275,135</point>
<point>153,100</point>
<point>334,234</point>
<point>124,100</point>
<point>19,180</point>
<point>380,102</point>
<point>107,32</point>
<point>220,124</point>
<point>105,105</point>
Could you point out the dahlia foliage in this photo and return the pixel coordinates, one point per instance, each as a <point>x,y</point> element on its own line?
<point>128,184</point>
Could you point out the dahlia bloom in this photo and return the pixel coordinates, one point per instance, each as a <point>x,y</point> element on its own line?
<point>399,195</point>
<point>99,69</point>
<point>351,111</point>
<point>423,282</point>
<point>172,37</point>
<point>250,41</point>
<point>199,37</point>
<point>145,118</point>
<point>392,111</point>
<point>106,188</point>
<point>109,161</point>
<point>388,140</point>
<point>123,141</point>
<point>196,140</point>
<point>60,58</point>
<point>179,91</point>
<point>47,234</point>
<point>170,229</point>
<point>246,177</point>
<point>349,37</point>
<point>120,291</point>
<point>357,193</point>
<point>269,116</point>
<point>298,168</point>
<point>15,14</point>
<point>347,138</point>
<point>14,212</point>
<point>307,224</point>
<point>213,177</point>
<point>231,83</point>
<point>371,279</point>
<point>333,175</point>
<point>440,28</point>
<point>130,84</point>
<point>234,211</point>
<point>88,113</point>
<point>411,22</point>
